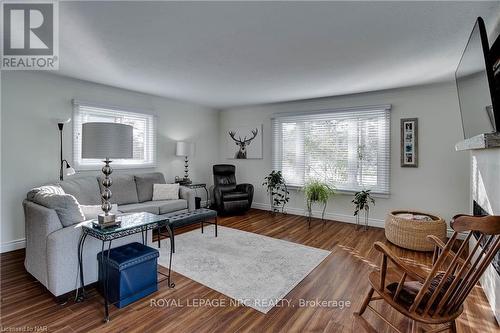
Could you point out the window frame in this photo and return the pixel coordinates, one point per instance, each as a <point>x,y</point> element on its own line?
<point>119,164</point>
<point>276,142</point>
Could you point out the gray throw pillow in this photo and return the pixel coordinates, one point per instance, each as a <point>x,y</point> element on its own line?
<point>56,189</point>
<point>67,208</point>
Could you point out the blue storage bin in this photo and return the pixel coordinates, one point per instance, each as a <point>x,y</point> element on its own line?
<point>132,273</point>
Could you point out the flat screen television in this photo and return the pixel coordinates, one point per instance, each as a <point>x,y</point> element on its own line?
<point>475,79</point>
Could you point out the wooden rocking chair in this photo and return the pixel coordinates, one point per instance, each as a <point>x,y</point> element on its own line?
<point>435,298</point>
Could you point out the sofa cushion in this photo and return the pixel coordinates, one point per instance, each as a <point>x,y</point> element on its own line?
<point>155,207</point>
<point>144,183</point>
<point>92,211</point>
<point>168,206</point>
<point>410,290</point>
<point>84,189</point>
<point>123,190</point>
<point>66,207</point>
<point>148,207</point>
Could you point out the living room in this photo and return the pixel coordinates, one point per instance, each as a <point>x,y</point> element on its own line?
<point>295,152</point>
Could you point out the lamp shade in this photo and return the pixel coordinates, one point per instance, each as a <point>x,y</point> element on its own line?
<point>107,140</point>
<point>69,171</point>
<point>184,148</point>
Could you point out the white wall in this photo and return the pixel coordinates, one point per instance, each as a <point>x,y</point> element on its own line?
<point>31,101</point>
<point>485,189</point>
<point>439,185</point>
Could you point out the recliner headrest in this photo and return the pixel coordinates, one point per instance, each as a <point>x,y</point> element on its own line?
<point>224,169</point>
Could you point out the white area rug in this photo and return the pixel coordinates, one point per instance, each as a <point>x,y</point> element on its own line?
<point>255,270</point>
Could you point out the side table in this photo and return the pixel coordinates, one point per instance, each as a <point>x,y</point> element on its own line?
<point>130,224</point>
<point>196,185</point>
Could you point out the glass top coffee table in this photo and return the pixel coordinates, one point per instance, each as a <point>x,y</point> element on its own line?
<point>130,224</point>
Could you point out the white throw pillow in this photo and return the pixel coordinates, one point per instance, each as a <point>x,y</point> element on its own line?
<point>92,211</point>
<point>165,191</point>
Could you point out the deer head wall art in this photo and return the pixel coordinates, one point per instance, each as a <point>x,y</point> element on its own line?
<point>245,138</point>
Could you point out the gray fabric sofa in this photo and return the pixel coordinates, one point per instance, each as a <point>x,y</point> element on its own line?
<point>51,249</point>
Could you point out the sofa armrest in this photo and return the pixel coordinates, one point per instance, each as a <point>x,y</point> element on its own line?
<point>62,257</point>
<point>40,221</point>
<point>188,194</point>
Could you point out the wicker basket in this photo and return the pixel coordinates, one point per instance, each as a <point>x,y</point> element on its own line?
<point>411,234</point>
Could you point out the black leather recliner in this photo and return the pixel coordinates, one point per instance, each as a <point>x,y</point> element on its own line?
<point>229,197</point>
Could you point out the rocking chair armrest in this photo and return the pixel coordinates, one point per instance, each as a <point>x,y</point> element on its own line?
<point>437,241</point>
<point>439,244</point>
<point>488,224</point>
<point>411,271</point>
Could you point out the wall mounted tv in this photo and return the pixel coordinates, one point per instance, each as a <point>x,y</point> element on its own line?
<point>477,93</point>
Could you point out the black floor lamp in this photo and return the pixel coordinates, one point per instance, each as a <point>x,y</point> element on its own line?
<point>68,171</point>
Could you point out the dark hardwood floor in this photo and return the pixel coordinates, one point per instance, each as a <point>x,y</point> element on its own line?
<point>342,276</point>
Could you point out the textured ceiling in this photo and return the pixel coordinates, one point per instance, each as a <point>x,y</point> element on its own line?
<point>224,54</point>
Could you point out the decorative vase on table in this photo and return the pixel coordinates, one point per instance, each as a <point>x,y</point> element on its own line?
<point>317,192</point>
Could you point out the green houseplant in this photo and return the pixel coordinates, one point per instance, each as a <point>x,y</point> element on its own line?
<point>317,192</point>
<point>278,191</point>
<point>362,201</point>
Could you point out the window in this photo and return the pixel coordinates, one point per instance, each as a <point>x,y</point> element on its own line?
<point>144,140</point>
<point>348,148</point>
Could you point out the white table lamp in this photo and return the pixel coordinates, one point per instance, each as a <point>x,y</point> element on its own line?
<point>185,149</point>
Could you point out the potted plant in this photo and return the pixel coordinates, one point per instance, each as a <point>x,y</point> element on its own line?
<point>278,191</point>
<point>362,201</point>
<point>317,192</point>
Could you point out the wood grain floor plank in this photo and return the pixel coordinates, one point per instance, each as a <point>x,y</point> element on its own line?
<point>342,276</point>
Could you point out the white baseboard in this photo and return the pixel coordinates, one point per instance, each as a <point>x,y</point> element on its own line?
<point>13,245</point>
<point>328,216</point>
<point>336,217</point>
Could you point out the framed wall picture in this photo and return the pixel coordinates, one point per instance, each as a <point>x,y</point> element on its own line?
<point>244,142</point>
<point>409,142</point>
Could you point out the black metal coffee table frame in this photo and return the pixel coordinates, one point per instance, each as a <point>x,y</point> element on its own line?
<point>151,222</point>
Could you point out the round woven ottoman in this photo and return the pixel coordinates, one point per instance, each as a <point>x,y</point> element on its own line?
<point>410,233</point>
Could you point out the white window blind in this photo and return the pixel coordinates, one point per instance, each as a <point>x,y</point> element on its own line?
<point>144,135</point>
<point>348,148</point>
